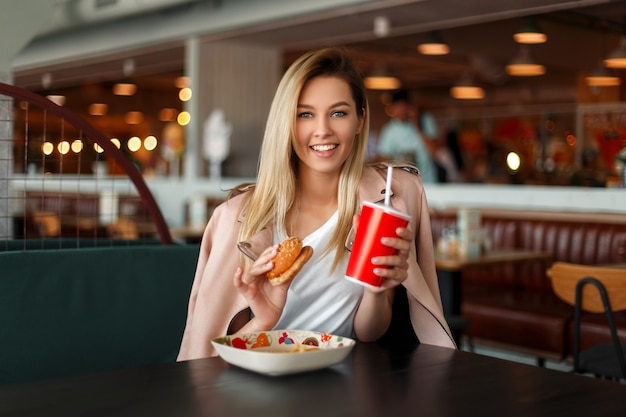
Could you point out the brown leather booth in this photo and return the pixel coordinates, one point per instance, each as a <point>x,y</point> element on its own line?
<point>513,306</point>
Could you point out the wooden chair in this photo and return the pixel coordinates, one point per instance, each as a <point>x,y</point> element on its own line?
<point>594,289</point>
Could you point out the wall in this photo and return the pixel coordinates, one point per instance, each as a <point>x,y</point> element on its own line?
<point>239,79</point>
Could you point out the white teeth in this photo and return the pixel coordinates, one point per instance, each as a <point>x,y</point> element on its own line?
<point>323,147</point>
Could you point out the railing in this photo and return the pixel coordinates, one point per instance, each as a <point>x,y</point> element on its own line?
<point>65,120</point>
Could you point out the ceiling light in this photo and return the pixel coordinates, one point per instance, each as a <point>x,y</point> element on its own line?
<point>150,143</point>
<point>182,81</point>
<point>57,99</point>
<point>46,81</point>
<point>98,109</point>
<point>617,58</point>
<point>530,33</point>
<point>602,77</point>
<point>382,82</point>
<point>168,114</point>
<point>184,94</point>
<point>133,117</point>
<point>124,89</point>
<point>380,79</point>
<point>63,147</point>
<point>466,89</point>
<point>433,45</point>
<point>134,144</point>
<point>524,66</point>
<point>77,146</point>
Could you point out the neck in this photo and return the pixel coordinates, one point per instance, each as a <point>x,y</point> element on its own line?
<point>315,202</point>
<point>317,189</point>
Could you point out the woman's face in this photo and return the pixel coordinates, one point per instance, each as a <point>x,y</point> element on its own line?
<point>326,124</point>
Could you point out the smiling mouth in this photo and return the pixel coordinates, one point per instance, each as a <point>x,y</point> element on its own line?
<point>322,148</point>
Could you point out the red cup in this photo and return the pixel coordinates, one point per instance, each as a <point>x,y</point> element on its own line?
<point>377,221</point>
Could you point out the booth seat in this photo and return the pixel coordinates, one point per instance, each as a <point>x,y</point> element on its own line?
<point>76,311</point>
<point>512,305</point>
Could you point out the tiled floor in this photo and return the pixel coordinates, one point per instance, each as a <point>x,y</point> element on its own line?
<point>521,358</point>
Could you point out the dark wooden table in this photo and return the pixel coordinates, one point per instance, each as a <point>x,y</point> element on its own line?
<point>430,381</point>
<point>450,269</point>
<point>450,273</point>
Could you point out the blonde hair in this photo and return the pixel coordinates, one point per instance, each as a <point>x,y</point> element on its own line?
<point>275,189</point>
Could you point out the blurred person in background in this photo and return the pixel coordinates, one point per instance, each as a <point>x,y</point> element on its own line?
<point>401,140</point>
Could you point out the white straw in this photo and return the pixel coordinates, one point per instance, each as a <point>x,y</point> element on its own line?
<point>388,185</point>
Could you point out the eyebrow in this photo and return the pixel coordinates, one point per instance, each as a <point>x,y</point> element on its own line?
<point>337,104</point>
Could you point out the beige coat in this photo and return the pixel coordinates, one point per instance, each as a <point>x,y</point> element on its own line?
<point>214,301</point>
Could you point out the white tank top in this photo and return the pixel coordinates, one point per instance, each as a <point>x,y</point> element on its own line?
<point>318,300</point>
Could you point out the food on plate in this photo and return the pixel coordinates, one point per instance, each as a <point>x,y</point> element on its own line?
<point>303,348</point>
<point>289,261</point>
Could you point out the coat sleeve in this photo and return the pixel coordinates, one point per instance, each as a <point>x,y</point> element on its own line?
<point>213,300</point>
<point>422,283</point>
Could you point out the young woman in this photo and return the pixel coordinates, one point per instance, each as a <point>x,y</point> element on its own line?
<point>311,182</point>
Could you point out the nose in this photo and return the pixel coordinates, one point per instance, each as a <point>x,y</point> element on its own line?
<point>323,127</point>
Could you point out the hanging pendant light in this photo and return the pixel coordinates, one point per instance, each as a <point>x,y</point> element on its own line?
<point>602,77</point>
<point>524,66</point>
<point>433,45</point>
<point>380,79</point>
<point>126,87</point>
<point>53,96</point>
<point>530,33</point>
<point>617,58</point>
<point>466,89</point>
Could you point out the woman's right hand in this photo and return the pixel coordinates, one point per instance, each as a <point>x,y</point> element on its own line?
<point>266,300</point>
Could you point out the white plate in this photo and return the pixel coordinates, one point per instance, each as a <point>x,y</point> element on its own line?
<point>281,352</point>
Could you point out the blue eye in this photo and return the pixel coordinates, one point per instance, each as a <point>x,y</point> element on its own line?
<point>305,114</point>
<point>338,113</point>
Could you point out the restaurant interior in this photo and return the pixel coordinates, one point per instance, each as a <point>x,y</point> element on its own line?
<point>542,153</point>
<point>559,122</point>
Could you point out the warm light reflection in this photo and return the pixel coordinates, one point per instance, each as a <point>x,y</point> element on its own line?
<point>116,142</point>
<point>97,148</point>
<point>150,143</point>
<point>433,49</point>
<point>134,144</point>
<point>525,70</point>
<point>382,83</point>
<point>184,94</point>
<point>133,117</point>
<point>183,118</point>
<point>513,161</point>
<point>467,92</point>
<point>124,89</point>
<point>63,147</point>
<point>57,99</point>
<point>182,82</point>
<point>167,114</point>
<point>98,109</point>
<point>530,37</point>
<point>47,148</point>
<point>77,146</point>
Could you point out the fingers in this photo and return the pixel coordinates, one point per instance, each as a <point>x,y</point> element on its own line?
<point>394,268</point>
<point>237,277</point>
<point>259,268</point>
